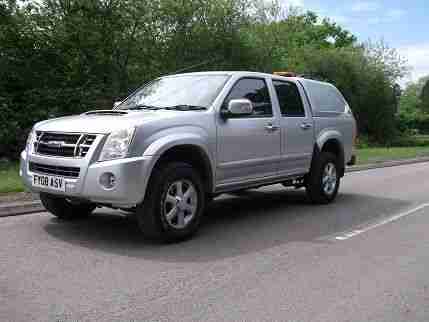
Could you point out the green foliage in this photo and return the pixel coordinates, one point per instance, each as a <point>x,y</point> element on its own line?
<point>10,180</point>
<point>275,38</point>
<point>60,57</point>
<point>409,105</point>
<point>413,123</point>
<point>413,115</point>
<point>425,97</point>
<point>380,154</point>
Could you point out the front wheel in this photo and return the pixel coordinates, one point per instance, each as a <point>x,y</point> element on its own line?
<point>64,208</point>
<point>323,181</point>
<point>174,203</point>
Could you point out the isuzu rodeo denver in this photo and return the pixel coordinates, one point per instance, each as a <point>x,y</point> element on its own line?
<point>173,144</point>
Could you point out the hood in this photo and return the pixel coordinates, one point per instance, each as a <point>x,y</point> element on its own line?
<point>103,121</point>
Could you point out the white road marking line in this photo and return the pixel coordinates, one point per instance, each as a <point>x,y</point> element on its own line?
<point>356,232</point>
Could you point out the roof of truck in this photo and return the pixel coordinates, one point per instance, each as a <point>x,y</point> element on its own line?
<point>247,73</point>
<point>222,73</point>
<point>230,73</point>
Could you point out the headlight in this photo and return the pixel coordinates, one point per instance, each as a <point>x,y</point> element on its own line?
<point>117,144</point>
<point>29,146</point>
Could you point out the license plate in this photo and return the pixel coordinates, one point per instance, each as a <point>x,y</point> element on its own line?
<point>50,182</point>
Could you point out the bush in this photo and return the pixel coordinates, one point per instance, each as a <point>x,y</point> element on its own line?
<point>19,113</point>
<point>363,142</point>
<point>417,124</point>
<point>409,141</point>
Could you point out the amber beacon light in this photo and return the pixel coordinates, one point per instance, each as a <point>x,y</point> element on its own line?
<point>285,74</point>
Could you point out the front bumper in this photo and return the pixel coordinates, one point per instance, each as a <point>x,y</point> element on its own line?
<point>131,174</point>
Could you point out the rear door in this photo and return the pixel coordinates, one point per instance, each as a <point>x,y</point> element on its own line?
<point>296,126</point>
<point>249,146</point>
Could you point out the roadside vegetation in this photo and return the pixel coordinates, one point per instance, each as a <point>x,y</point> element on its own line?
<point>413,114</point>
<point>380,154</point>
<point>9,178</point>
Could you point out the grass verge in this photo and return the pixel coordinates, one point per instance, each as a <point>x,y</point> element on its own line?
<point>9,178</point>
<point>374,155</point>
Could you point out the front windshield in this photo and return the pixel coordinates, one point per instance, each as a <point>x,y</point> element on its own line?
<point>173,91</point>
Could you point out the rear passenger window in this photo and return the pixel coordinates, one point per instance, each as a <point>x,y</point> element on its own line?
<point>256,91</point>
<point>325,98</point>
<point>289,99</point>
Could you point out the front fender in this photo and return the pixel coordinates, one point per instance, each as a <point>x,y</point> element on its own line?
<point>162,144</point>
<point>166,141</point>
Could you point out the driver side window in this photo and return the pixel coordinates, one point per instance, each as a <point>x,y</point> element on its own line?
<point>256,91</point>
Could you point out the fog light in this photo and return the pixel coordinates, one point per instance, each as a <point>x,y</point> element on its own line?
<point>70,186</point>
<point>108,180</point>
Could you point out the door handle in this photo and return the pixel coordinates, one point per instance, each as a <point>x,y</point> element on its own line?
<point>271,127</point>
<point>306,126</point>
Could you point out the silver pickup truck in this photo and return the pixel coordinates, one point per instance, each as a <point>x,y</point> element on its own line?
<point>179,140</point>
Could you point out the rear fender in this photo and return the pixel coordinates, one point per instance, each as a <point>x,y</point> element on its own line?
<point>322,139</point>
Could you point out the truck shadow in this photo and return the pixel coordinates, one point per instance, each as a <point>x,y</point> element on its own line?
<point>233,226</point>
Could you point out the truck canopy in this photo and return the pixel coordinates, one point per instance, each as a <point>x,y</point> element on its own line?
<point>324,97</point>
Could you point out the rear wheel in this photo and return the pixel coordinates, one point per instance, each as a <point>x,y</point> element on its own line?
<point>323,181</point>
<point>65,208</point>
<point>174,203</point>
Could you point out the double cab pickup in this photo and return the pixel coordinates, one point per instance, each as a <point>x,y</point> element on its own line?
<point>166,150</point>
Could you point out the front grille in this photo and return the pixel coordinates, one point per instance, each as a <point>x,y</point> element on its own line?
<point>71,172</point>
<point>84,144</point>
<point>71,145</point>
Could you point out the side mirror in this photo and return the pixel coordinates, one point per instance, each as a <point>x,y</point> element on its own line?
<point>239,107</point>
<point>117,103</point>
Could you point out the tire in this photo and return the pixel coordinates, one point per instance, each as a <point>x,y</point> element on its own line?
<point>64,209</point>
<point>321,190</point>
<point>165,215</point>
<point>209,198</point>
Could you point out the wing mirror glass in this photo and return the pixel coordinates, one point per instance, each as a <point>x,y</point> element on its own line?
<point>239,107</point>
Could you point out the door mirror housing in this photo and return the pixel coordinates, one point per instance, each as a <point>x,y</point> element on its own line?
<point>117,103</point>
<point>239,107</point>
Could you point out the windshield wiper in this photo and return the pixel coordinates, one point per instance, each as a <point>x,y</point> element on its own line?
<point>185,107</point>
<point>143,107</point>
<point>180,107</point>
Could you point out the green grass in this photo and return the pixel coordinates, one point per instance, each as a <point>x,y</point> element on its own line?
<point>374,155</point>
<point>11,182</point>
<point>9,178</point>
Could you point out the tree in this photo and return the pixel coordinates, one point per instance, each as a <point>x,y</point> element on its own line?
<point>410,102</point>
<point>275,36</point>
<point>60,57</point>
<point>424,97</point>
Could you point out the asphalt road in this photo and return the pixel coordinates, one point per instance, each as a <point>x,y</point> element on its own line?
<point>264,256</point>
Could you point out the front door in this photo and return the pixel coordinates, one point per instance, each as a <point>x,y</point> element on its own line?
<point>248,146</point>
